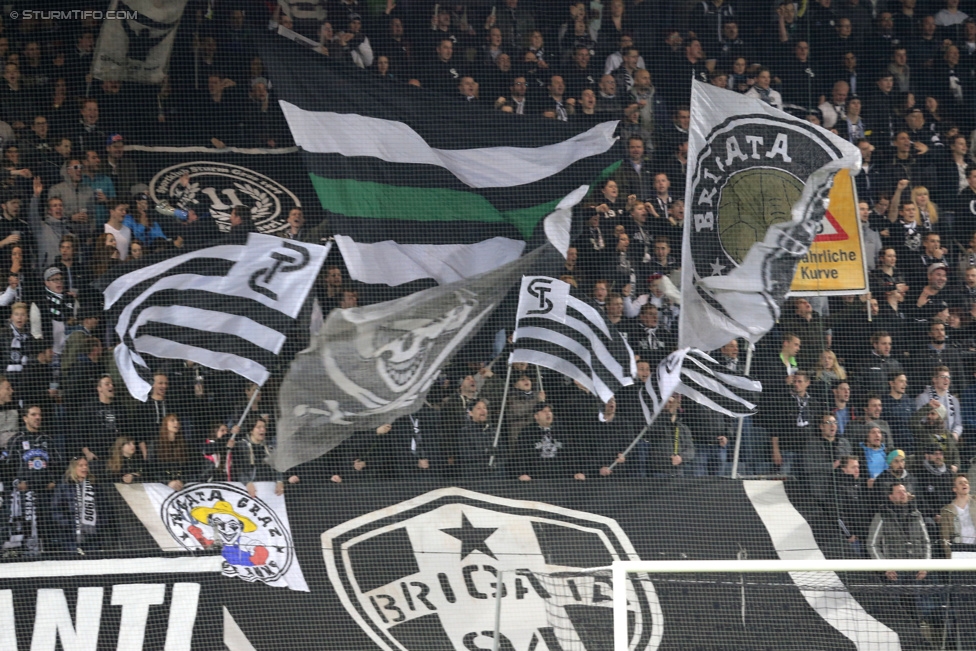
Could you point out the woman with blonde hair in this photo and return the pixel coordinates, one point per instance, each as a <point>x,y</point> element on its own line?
<point>78,508</point>
<point>828,372</point>
<point>928,212</point>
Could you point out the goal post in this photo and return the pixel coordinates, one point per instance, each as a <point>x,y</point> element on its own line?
<point>620,570</point>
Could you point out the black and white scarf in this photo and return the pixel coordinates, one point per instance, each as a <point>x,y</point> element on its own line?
<point>947,403</point>
<point>17,346</point>
<point>802,419</point>
<point>86,517</point>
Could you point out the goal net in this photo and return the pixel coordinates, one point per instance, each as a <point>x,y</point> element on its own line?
<point>863,605</point>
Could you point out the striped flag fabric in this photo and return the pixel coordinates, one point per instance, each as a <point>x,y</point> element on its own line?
<point>419,185</point>
<point>698,376</point>
<point>561,332</point>
<point>228,307</point>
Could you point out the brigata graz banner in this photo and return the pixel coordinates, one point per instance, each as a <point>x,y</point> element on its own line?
<point>412,566</point>
<point>269,182</point>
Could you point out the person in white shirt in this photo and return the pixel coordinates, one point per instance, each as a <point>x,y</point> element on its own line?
<point>761,89</point>
<point>123,235</point>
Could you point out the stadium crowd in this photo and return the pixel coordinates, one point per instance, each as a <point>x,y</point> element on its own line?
<point>869,401</point>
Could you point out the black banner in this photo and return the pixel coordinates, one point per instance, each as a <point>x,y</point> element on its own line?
<point>412,566</point>
<point>269,182</point>
<point>135,603</point>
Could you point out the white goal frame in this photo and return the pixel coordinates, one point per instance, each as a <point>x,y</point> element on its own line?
<point>620,570</point>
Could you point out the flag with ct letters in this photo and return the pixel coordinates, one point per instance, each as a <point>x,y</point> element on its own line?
<point>757,188</point>
<point>137,48</point>
<point>228,307</point>
<point>561,332</point>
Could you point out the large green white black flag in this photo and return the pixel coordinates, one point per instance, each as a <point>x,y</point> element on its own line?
<point>418,186</point>
<point>757,187</point>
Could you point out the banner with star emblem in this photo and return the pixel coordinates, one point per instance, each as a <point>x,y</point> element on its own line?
<point>419,565</point>
<point>757,190</point>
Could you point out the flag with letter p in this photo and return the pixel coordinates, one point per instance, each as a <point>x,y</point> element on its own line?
<point>561,332</point>
<point>227,307</point>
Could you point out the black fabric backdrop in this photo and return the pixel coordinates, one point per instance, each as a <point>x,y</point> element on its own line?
<point>391,544</point>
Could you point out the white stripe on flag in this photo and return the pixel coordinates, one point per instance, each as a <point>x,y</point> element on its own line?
<point>122,284</point>
<point>591,313</point>
<point>213,321</point>
<point>170,349</point>
<point>702,399</point>
<point>596,345</point>
<point>715,386</point>
<point>349,134</point>
<point>592,383</point>
<point>389,263</point>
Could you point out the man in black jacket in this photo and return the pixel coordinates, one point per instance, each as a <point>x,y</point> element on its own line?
<point>543,452</point>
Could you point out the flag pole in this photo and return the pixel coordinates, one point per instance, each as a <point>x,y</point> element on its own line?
<point>738,432</point>
<point>247,410</point>
<point>538,378</point>
<point>501,412</point>
<point>634,442</point>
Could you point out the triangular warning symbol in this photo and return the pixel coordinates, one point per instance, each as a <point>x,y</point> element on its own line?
<point>830,230</point>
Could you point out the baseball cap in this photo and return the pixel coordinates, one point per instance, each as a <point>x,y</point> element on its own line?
<point>51,272</point>
<point>937,265</point>
<point>114,138</point>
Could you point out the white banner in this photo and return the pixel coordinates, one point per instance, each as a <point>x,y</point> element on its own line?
<point>137,45</point>
<point>757,187</point>
<point>253,534</point>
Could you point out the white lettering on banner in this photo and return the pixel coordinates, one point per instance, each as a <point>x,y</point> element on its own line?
<point>135,599</point>
<point>706,220</point>
<point>53,621</point>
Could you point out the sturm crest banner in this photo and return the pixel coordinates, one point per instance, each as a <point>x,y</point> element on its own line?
<point>268,181</point>
<point>757,189</point>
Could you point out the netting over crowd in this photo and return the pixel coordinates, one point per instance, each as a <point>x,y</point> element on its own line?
<point>869,401</point>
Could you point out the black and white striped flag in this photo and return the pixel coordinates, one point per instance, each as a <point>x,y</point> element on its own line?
<point>227,307</point>
<point>563,333</point>
<point>695,374</point>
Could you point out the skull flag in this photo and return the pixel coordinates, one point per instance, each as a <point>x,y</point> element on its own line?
<point>371,365</point>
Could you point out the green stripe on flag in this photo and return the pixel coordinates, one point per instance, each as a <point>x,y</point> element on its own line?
<point>417,204</point>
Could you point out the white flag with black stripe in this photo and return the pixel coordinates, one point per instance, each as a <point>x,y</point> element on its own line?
<point>561,332</point>
<point>227,307</point>
<point>697,375</point>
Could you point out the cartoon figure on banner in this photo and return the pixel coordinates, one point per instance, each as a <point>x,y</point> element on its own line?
<point>229,527</point>
<point>253,540</point>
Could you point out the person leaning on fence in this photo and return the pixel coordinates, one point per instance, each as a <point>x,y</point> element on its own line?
<point>957,526</point>
<point>898,532</point>
<point>548,452</point>
<point>80,510</point>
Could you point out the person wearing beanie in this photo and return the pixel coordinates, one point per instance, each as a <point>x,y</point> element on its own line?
<point>897,473</point>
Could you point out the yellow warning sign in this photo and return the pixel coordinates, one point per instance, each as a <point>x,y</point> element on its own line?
<point>835,263</point>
